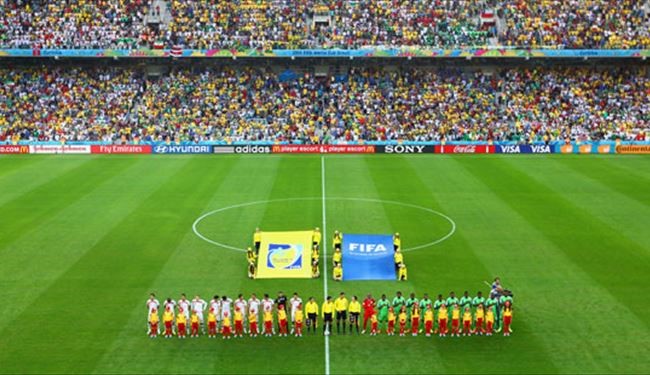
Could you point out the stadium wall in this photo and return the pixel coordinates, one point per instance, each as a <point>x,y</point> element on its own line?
<point>606,147</point>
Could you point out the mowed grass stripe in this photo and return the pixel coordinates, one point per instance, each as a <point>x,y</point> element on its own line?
<point>32,263</point>
<point>213,270</point>
<point>351,177</point>
<point>45,200</point>
<point>607,172</point>
<point>595,198</point>
<point>548,287</point>
<point>113,274</point>
<point>11,164</point>
<point>28,177</point>
<point>593,245</point>
<point>454,263</point>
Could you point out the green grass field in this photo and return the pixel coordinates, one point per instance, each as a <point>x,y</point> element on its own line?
<point>83,240</point>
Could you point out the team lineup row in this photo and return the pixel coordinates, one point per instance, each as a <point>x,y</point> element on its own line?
<point>478,315</point>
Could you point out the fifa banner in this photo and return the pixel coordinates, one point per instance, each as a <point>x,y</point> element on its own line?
<point>285,255</point>
<point>368,257</point>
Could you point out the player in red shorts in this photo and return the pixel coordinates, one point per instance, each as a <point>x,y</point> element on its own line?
<point>194,325</point>
<point>181,322</point>
<point>455,320</point>
<point>390,331</point>
<point>480,316</point>
<point>168,320</point>
<point>282,320</point>
<point>252,324</point>
<point>415,320</point>
<point>428,321</point>
<point>467,322</point>
<point>507,318</point>
<point>212,324</point>
<point>368,310</point>
<point>442,320</point>
<point>402,321</point>
<point>153,323</point>
<point>299,317</point>
<point>239,323</point>
<point>373,325</point>
<point>225,326</point>
<point>489,321</point>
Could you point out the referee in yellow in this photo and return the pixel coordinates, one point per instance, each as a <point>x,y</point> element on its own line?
<point>311,309</point>
<point>355,311</point>
<point>397,242</point>
<point>338,238</point>
<point>341,308</point>
<point>257,240</point>
<point>327,310</point>
<point>315,238</point>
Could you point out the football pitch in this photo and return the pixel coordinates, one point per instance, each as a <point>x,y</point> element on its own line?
<point>85,239</point>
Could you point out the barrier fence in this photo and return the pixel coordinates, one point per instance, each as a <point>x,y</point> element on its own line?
<point>456,148</point>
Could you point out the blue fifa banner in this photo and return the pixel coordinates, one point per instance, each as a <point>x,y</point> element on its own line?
<point>182,149</point>
<point>525,149</point>
<point>368,257</point>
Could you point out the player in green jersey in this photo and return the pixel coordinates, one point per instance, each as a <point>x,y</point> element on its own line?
<point>465,301</point>
<point>382,306</point>
<point>452,300</point>
<point>411,302</point>
<point>398,301</point>
<point>479,299</point>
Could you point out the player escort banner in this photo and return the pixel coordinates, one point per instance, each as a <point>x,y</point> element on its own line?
<point>285,255</point>
<point>368,257</point>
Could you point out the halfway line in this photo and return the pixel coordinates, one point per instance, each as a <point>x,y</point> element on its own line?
<point>325,275</point>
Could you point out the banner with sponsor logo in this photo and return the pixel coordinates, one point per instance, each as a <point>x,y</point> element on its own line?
<point>14,149</point>
<point>524,149</point>
<point>404,149</point>
<point>465,149</point>
<point>633,149</point>
<point>182,149</point>
<point>121,149</point>
<point>245,149</point>
<point>59,149</point>
<point>368,257</point>
<point>323,149</point>
<point>285,255</point>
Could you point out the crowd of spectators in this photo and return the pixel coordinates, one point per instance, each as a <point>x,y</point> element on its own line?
<point>248,104</point>
<point>266,24</point>
<point>67,103</point>
<point>73,24</point>
<point>611,24</point>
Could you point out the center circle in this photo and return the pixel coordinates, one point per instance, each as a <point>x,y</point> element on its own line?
<point>366,200</point>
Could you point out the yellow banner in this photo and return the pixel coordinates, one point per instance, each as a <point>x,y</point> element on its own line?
<point>285,255</point>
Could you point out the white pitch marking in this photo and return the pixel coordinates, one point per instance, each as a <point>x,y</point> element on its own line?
<point>325,274</point>
<point>226,246</point>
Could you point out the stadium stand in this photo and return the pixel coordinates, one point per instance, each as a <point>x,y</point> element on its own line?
<point>286,24</point>
<point>247,104</point>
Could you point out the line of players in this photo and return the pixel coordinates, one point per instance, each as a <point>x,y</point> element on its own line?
<point>478,315</point>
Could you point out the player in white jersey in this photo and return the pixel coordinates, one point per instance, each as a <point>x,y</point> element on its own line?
<point>198,306</point>
<point>254,304</point>
<point>294,302</point>
<point>152,303</point>
<point>241,304</point>
<point>267,303</point>
<point>226,303</point>
<point>215,305</point>
<point>169,303</point>
<point>185,304</point>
